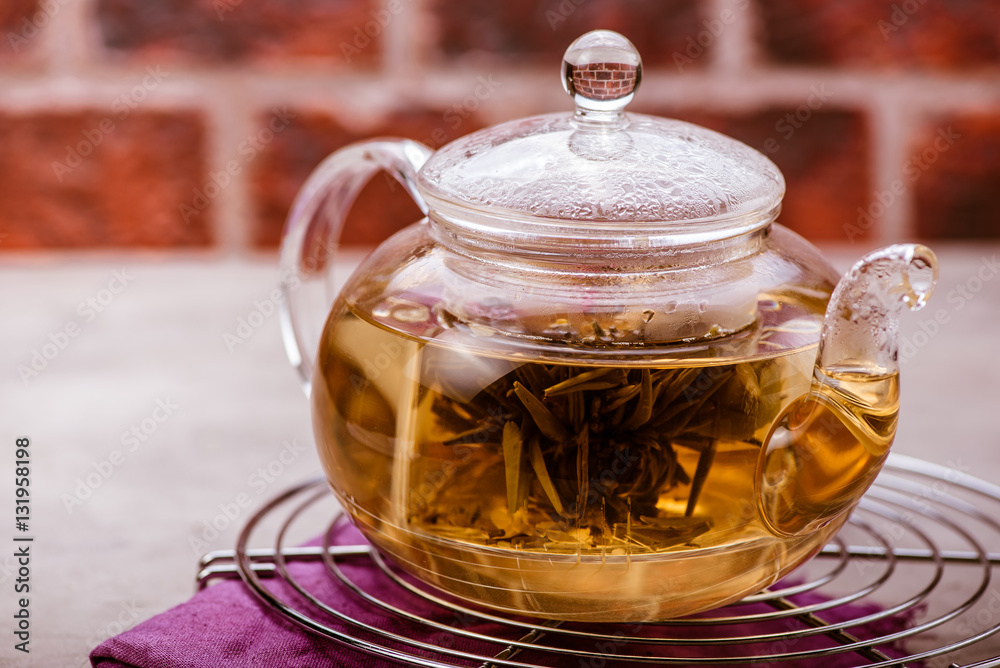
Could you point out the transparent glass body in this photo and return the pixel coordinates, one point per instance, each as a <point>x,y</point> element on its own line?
<point>539,438</point>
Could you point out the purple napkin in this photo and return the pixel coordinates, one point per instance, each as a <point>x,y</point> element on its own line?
<point>225,626</point>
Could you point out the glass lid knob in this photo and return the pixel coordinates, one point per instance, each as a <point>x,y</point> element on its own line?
<point>601,70</point>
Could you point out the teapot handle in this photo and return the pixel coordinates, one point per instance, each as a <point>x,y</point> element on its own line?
<point>312,232</point>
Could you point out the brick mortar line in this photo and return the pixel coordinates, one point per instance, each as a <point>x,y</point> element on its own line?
<point>41,257</point>
<point>893,127</point>
<point>401,55</point>
<point>793,87</point>
<point>727,91</point>
<point>230,115</point>
<point>735,49</point>
<point>317,70</point>
<point>62,33</point>
<point>67,39</point>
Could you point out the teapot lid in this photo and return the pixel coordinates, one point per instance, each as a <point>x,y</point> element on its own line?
<point>600,175</point>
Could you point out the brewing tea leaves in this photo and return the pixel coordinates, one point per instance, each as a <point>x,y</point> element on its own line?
<point>512,447</point>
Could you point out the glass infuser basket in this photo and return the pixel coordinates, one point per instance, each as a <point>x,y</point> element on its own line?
<point>597,381</point>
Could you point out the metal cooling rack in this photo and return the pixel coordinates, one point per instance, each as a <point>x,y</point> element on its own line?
<point>919,545</point>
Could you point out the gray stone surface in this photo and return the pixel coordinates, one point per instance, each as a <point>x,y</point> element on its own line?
<point>125,552</point>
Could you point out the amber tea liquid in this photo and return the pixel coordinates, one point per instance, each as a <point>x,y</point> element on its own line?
<point>563,488</point>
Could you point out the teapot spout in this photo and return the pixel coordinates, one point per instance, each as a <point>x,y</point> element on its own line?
<point>861,328</point>
<point>826,447</point>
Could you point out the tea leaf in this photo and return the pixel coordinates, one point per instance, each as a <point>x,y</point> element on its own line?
<point>538,463</point>
<point>692,405</point>
<point>664,537</point>
<point>622,396</point>
<point>678,384</point>
<point>700,473</point>
<point>462,533</point>
<point>559,536</point>
<point>651,442</point>
<point>644,408</point>
<point>575,409</point>
<point>587,387</point>
<point>546,422</point>
<point>534,376</point>
<point>616,418</point>
<point>512,446</point>
<point>583,468</point>
<point>476,435</point>
<point>586,379</point>
<point>677,523</point>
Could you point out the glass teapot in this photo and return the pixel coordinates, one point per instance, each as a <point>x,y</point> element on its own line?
<point>597,381</point>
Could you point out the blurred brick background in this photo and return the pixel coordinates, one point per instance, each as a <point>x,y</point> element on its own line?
<point>172,124</point>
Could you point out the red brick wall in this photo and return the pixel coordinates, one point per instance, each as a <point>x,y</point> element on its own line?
<point>192,123</point>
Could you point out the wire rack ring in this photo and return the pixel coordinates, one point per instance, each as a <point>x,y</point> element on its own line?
<point>917,548</point>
